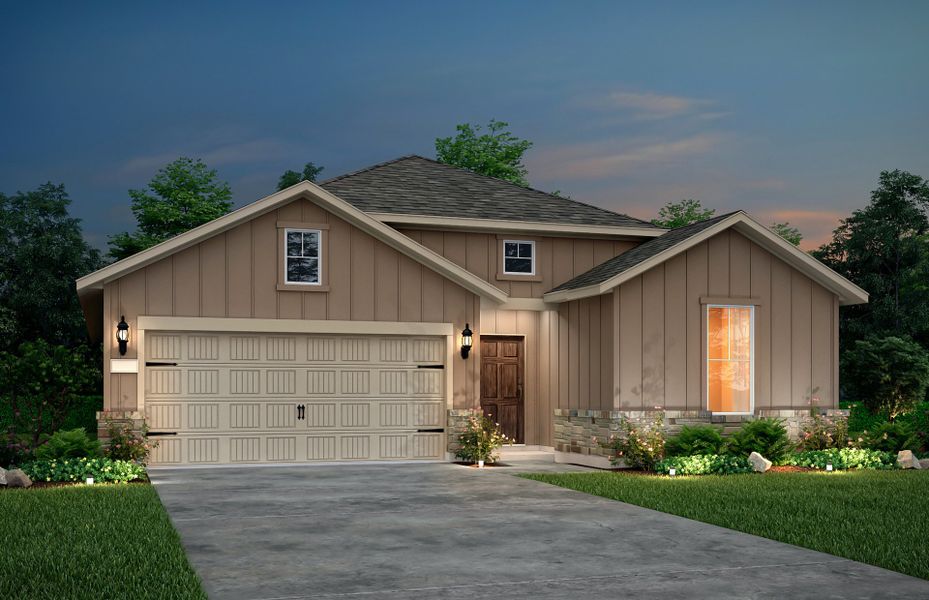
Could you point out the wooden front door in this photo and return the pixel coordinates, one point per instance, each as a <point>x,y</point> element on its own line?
<point>502,384</point>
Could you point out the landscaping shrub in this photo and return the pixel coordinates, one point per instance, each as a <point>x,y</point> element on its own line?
<point>72,443</point>
<point>705,464</point>
<point>889,375</point>
<point>860,419</point>
<point>124,444</point>
<point>41,384</point>
<point>14,453</point>
<point>103,470</point>
<point>695,439</point>
<point>480,440</point>
<point>843,458</point>
<point>767,437</point>
<point>639,445</point>
<point>891,437</point>
<point>823,433</point>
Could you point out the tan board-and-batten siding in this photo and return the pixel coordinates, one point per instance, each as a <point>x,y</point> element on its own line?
<point>235,274</point>
<point>659,343</point>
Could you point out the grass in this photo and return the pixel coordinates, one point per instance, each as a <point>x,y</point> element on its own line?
<point>876,517</point>
<point>106,541</point>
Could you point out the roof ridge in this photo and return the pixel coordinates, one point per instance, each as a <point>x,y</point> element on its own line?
<point>369,168</point>
<point>496,179</point>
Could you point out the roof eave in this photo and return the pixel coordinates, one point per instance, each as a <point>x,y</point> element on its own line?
<point>329,201</point>
<point>619,232</point>
<point>847,292</point>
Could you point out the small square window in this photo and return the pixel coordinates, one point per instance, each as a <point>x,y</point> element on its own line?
<point>302,260</point>
<point>518,258</point>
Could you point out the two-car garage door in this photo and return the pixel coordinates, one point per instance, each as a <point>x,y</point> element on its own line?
<point>244,397</point>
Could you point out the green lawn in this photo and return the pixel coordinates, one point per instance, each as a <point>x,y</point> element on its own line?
<point>106,541</point>
<point>877,517</point>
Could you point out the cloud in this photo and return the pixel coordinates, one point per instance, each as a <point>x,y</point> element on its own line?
<point>649,106</point>
<point>248,152</point>
<point>613,157</point>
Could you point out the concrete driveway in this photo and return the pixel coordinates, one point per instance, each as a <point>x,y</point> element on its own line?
<point>444,531</point>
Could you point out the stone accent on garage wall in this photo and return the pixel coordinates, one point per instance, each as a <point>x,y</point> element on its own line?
<point>129,419</point>
<point>583,431</point>
<point>457,423</point>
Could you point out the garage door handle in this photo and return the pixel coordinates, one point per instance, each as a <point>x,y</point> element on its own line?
<point>430,366</point>
<point>300,412</point>
<point>149,363</point>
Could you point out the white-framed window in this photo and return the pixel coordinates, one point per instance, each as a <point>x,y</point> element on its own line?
<point>730,359</point>
<point>303,256</point>
<point>518,257</point>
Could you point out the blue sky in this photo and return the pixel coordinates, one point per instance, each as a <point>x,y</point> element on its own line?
<point>787,110</point>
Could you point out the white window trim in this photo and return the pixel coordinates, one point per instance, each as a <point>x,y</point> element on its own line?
<point>319,257</point>
<point>517,273</point>
<point>706,359</point>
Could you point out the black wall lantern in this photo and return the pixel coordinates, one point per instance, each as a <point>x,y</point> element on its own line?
<point>122,335</point>
<point>466,341</point>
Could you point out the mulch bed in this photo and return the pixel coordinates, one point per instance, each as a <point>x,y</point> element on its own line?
<point>788,469</point>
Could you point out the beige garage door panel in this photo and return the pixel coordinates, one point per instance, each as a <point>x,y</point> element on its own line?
<point>277,398</point>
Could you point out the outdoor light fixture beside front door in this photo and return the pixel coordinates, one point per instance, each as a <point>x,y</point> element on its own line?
<point>466,341</point>
<point>122,335</point>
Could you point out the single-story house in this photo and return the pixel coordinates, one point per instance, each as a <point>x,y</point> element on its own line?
<point>329,322</point>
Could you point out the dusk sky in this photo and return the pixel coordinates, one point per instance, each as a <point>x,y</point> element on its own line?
<point>786,110</point>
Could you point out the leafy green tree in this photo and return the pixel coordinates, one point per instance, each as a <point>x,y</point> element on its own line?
<point>889,375</point>
<point>791,234</point>
<point>181,196</point>
<point>42,383</point>
<point>884,248</point>
<point>42,252</point>
<point>289,178</point>
<point>677,214</point>
<point>497,153</point>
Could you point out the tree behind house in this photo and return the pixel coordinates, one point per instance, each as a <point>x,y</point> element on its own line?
<point>42,252</point>
<point>497,153</point>
<point>678,214</point>
<point>181,196</point>
<point>791,234</point>
<point>884,248</point>
<point>289,178</point>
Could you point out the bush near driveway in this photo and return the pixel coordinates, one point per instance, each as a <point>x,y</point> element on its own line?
<point>99,542</point>
<point>877,517</point>
<point>77,470</point>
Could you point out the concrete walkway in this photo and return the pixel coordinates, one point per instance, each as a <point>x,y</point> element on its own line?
<point>432,531</point>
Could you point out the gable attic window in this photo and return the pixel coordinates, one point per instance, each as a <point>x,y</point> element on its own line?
<point>302,256</point>
<point>518,257</point>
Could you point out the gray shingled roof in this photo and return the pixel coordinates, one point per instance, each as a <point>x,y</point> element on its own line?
<point>639,254</point>
<point>414,185</point>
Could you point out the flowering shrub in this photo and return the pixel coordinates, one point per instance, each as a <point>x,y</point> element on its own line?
<point>103,470</point>
<point>891,437</point>
<point>705,464</point>
<point>843,458</point>
<point>822,433</point>
<point>124,444</point>
<point>481,438</point>
<point>639,445</point>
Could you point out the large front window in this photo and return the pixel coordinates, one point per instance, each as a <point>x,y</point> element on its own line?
<point>729,365</point>
<point>302,250</point>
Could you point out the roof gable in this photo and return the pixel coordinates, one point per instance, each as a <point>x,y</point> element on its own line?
<point>619,269</point>
<point>93,282</point>
<point>413,185</point>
